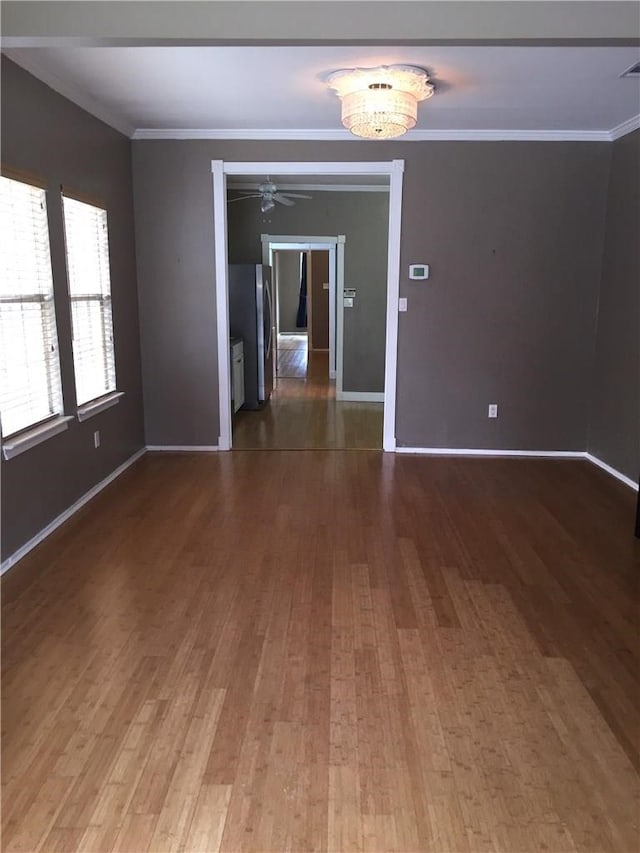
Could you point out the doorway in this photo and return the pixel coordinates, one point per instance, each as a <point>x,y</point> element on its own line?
<point>393,170</point>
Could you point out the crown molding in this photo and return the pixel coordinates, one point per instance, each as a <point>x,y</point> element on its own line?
<point>624,128</point>
<point>24,58</point>
<point>344,135</point>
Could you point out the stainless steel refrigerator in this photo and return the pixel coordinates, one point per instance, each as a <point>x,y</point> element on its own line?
<point>251,318</point>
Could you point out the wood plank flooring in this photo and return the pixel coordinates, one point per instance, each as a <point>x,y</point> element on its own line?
<point>303,413</point>
<point>327,651</point>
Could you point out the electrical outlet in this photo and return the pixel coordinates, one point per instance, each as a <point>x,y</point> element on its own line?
<point>96,439</point>
<point>493,410</point>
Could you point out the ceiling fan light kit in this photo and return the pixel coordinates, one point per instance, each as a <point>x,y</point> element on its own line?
<point>268,194</point>
<point>382,102</point>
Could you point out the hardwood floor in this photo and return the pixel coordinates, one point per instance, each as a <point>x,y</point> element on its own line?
<point>327,651</point>
<point>303,413</point>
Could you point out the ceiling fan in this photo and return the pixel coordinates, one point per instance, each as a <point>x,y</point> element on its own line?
<point>269,196</point>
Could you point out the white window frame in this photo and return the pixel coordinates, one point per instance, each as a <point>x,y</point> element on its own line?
<point>35,431</point>
<point>101,294</point>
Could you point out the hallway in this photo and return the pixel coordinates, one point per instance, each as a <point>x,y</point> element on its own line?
<point>303,413</point>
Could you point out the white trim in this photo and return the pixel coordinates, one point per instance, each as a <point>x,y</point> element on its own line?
<point>304,134</point>
<point>360,397</point>
<point>88,410</point>
<point>277,242</point>
<point>183,448</point>
<point>222,302</point>
<point>24,57</point>
<point>20,443</point>
<point>291,241</point>
<point>393,293</point>
<point>339,296</point>
<point>66,515</point>
<point>334,188</point>
<point>324,167</point>
<point>474,451</point>
<point>542,454</point>
<point>613,471</point>
<point>395,170</point>
<point>624,128</point>
<point>333,279</point>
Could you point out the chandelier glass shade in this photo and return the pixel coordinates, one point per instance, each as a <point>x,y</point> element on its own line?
<point>381,103</point>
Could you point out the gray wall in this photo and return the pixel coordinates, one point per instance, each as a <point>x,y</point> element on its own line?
<point>176,285</point>
<point>614,433</point>
<point>287,274</point>
<point>513,233</point>
<point>364,220</point>
<point>48,136</point>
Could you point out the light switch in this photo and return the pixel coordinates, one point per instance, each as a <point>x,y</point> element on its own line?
<point>402,303</point>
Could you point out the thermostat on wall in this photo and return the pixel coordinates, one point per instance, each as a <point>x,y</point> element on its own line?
<point>419,271</point>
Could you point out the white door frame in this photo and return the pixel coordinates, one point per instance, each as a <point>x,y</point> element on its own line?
<point>335,246</point>
<point>394,169</point>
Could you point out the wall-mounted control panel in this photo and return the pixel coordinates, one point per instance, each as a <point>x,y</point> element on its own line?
<point>418,272</point>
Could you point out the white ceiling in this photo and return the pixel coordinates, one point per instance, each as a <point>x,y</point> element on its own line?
<point>280,92</point>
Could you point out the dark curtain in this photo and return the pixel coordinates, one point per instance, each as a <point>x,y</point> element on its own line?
<point>301,316</point>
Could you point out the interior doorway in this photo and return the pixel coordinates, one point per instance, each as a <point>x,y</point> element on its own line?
<point>303,411</point>
<point>393,171</point>
<point>310,245</point>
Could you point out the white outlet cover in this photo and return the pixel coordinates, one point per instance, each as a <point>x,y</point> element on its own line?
<point>402,303</point>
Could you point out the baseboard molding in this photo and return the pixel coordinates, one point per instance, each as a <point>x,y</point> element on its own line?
<point>474,451</point>
<point>182,448</point>
<point>535,454</point>
<point>66,515</point>
<point>360,397</point>
<point>416,451</point>
<point>613,471</point>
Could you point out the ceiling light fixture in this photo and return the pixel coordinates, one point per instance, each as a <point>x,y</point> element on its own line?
<point>267,202</point>
<point>381,103</point>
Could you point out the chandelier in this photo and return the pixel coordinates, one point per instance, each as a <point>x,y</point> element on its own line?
<point>380,103</point>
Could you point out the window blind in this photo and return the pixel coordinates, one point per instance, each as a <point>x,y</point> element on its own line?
<point>30,385</point>
<point>87,244</point>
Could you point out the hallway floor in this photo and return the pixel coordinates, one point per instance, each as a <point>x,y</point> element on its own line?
<point>303,413</point>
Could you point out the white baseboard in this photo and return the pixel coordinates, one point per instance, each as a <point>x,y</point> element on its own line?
<point>474,451</point>
<point>613,471</point>
<point>418,451</point>
<point>360,397</point>
<point>536,454</point>
<point>66,515</point>
<point>182,448</point>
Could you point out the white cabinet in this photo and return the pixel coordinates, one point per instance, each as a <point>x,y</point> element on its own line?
<point>237,374</point>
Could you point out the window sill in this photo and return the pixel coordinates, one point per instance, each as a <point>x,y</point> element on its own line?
<point>18,444</point>
<point>88,410</point>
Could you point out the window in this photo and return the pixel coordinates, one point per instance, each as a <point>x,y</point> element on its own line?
<point>87,243</point>
<point>30,386</point>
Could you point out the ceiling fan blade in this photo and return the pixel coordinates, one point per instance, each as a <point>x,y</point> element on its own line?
<point>243,198</point>
<point>283,199</point>
<point>297,195</point>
